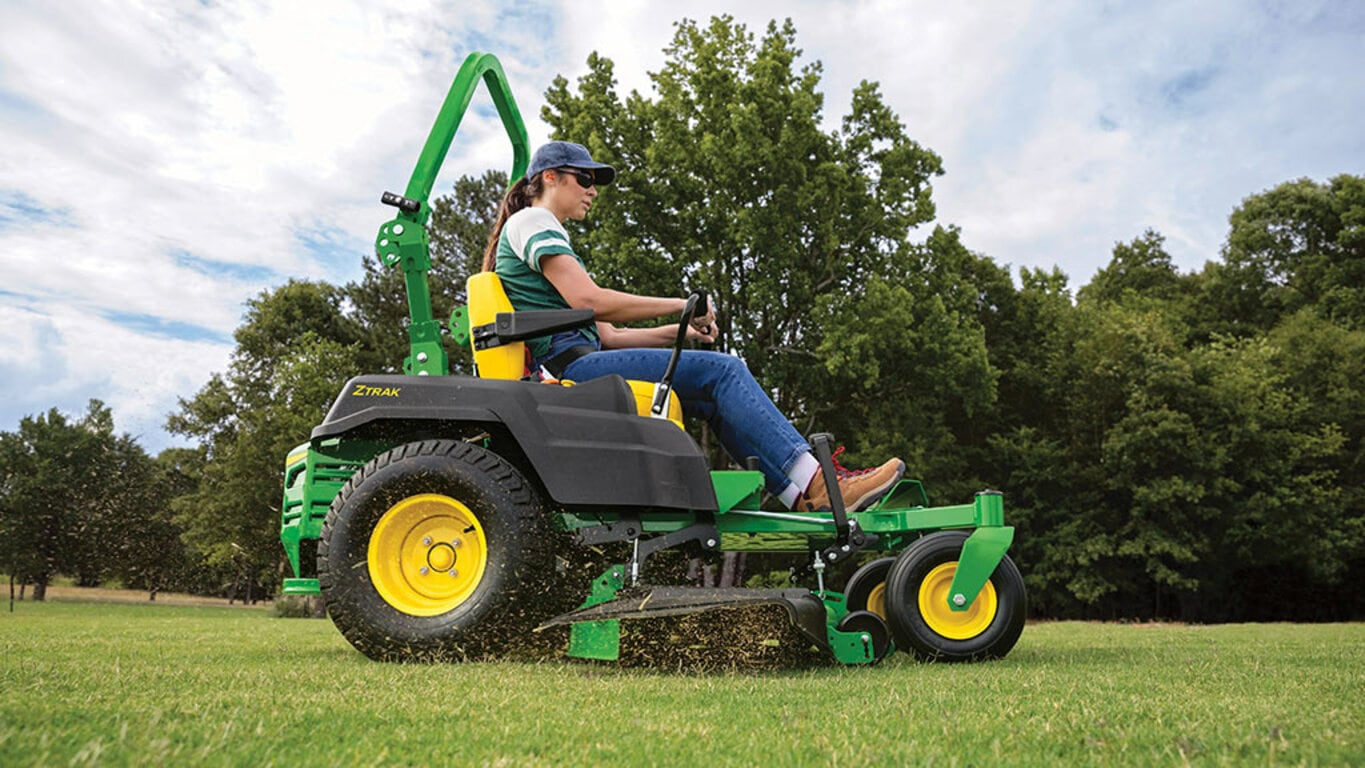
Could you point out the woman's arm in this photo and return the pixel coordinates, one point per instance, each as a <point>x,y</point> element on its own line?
<point>663,336</point>
<point>577,287</point>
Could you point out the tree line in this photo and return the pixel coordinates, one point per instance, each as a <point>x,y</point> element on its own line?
<point>1174,445</point>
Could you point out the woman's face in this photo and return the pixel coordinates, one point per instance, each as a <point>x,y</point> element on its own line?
<point>565,193</point>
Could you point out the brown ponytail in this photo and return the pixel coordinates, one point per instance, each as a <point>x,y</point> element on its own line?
<point>520,196</point>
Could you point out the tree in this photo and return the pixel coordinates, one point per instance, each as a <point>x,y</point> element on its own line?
<point>906,366</point>
<point>1301,244</point>
<point>53,487</point>
<point>726,181</point>
<point>293,354</point>
<point>139,541</point>
<point>1140,268</point>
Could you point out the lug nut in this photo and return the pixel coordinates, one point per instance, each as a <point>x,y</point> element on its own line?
<point>426,541</point>
<point>453,573</point>
<point>424,570</point>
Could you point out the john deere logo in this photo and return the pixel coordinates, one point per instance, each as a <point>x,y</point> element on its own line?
<point>365,390</point>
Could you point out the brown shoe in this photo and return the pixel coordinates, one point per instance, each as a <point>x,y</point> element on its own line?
<point>860,488</point>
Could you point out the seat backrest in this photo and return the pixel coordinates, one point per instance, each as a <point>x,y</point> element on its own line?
<point>486,299</point>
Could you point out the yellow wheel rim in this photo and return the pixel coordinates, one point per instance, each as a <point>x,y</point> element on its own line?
<point>427,554</point>
<point>954,625</point>
<point>876,600</point>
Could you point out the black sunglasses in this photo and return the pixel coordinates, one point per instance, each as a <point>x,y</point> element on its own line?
<point>585,179</point>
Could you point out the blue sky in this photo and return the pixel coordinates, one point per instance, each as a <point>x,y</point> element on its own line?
<point>163,163</point>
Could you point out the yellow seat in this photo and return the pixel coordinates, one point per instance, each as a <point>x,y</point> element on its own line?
<point>509,361</point>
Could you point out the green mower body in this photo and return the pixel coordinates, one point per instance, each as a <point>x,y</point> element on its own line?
<point>435,513</point>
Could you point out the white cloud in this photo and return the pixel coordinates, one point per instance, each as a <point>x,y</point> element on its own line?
<point>54,356</point>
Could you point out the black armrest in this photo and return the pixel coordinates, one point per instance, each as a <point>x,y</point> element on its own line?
<point>520,326</point>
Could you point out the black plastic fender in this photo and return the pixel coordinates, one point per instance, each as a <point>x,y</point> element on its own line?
<point>586,442</point>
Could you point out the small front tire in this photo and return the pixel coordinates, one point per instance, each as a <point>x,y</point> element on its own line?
<point>917,603</point>
<point>866,588</point>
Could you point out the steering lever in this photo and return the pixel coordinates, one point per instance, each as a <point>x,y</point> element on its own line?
<point>696,304</point>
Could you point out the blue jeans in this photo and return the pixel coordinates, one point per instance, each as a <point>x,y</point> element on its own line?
<point>718,388</point>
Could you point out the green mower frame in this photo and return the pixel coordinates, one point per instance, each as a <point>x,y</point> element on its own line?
<point>433,507</point>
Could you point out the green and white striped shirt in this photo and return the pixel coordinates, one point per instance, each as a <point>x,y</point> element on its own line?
<point>528,236</point>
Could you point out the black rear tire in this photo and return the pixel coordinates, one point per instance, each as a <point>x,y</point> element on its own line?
<point>928,628</point>
<point>400,587</point>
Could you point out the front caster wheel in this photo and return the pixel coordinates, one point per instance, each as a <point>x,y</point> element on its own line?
<point>921,621</point>
<point>866,588</point>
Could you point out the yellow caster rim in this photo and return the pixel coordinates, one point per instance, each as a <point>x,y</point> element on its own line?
<point>876,601</point>
<point>954,625</point>
<point>427,554</point>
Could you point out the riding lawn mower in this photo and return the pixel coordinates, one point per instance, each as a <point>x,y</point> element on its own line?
<point>446,517</point>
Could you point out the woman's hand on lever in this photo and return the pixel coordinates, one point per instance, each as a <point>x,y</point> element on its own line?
<point>705,334</point>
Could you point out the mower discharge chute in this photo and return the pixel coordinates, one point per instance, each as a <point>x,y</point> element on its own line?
<point>444,514</point>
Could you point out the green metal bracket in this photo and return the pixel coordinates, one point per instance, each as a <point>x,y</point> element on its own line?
<point>459,325</point>
<point>850,647</point>
<point>845,647</point>
<point>599,640</point>
<point>981,553</point>
<point>301,587</point>
<point>905,495</point>
<point>403,241</point>
<point>736,488</point>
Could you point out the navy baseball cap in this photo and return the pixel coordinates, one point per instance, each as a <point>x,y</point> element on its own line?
<point>566,154</point>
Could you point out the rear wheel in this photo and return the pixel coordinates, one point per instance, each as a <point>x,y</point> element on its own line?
<point>436,549</point>
<point>921,621</point>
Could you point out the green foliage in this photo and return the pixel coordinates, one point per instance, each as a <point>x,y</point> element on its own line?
<point>1141,268</point>
<point>294,352</point>
<point>1174,465</point>
<point>727,182</point>
<point>51,490</point>
<point>1301,244</point>
<point>79,500</point>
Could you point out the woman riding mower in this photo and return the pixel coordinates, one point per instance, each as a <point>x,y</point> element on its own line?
<point>530,251</point>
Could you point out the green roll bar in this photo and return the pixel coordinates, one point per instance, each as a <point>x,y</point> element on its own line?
<point>403,241</point>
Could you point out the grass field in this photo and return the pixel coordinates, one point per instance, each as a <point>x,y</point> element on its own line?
<point>117,684</point>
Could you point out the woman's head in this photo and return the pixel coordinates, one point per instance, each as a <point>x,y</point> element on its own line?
<point>566,154</point>
<point>562,177</point>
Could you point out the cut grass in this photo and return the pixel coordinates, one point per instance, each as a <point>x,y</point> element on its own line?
<point>153,684</point>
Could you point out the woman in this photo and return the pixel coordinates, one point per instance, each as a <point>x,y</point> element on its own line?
<point>530,251</point>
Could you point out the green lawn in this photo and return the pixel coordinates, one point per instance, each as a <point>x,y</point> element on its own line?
<point>116,684</point>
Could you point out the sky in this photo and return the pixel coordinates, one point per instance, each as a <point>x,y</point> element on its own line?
<point>163,162</point>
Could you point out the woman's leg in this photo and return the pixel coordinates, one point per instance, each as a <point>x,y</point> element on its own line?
<point>720,389</point>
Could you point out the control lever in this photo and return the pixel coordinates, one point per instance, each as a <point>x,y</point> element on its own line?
<point>696,304</point>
